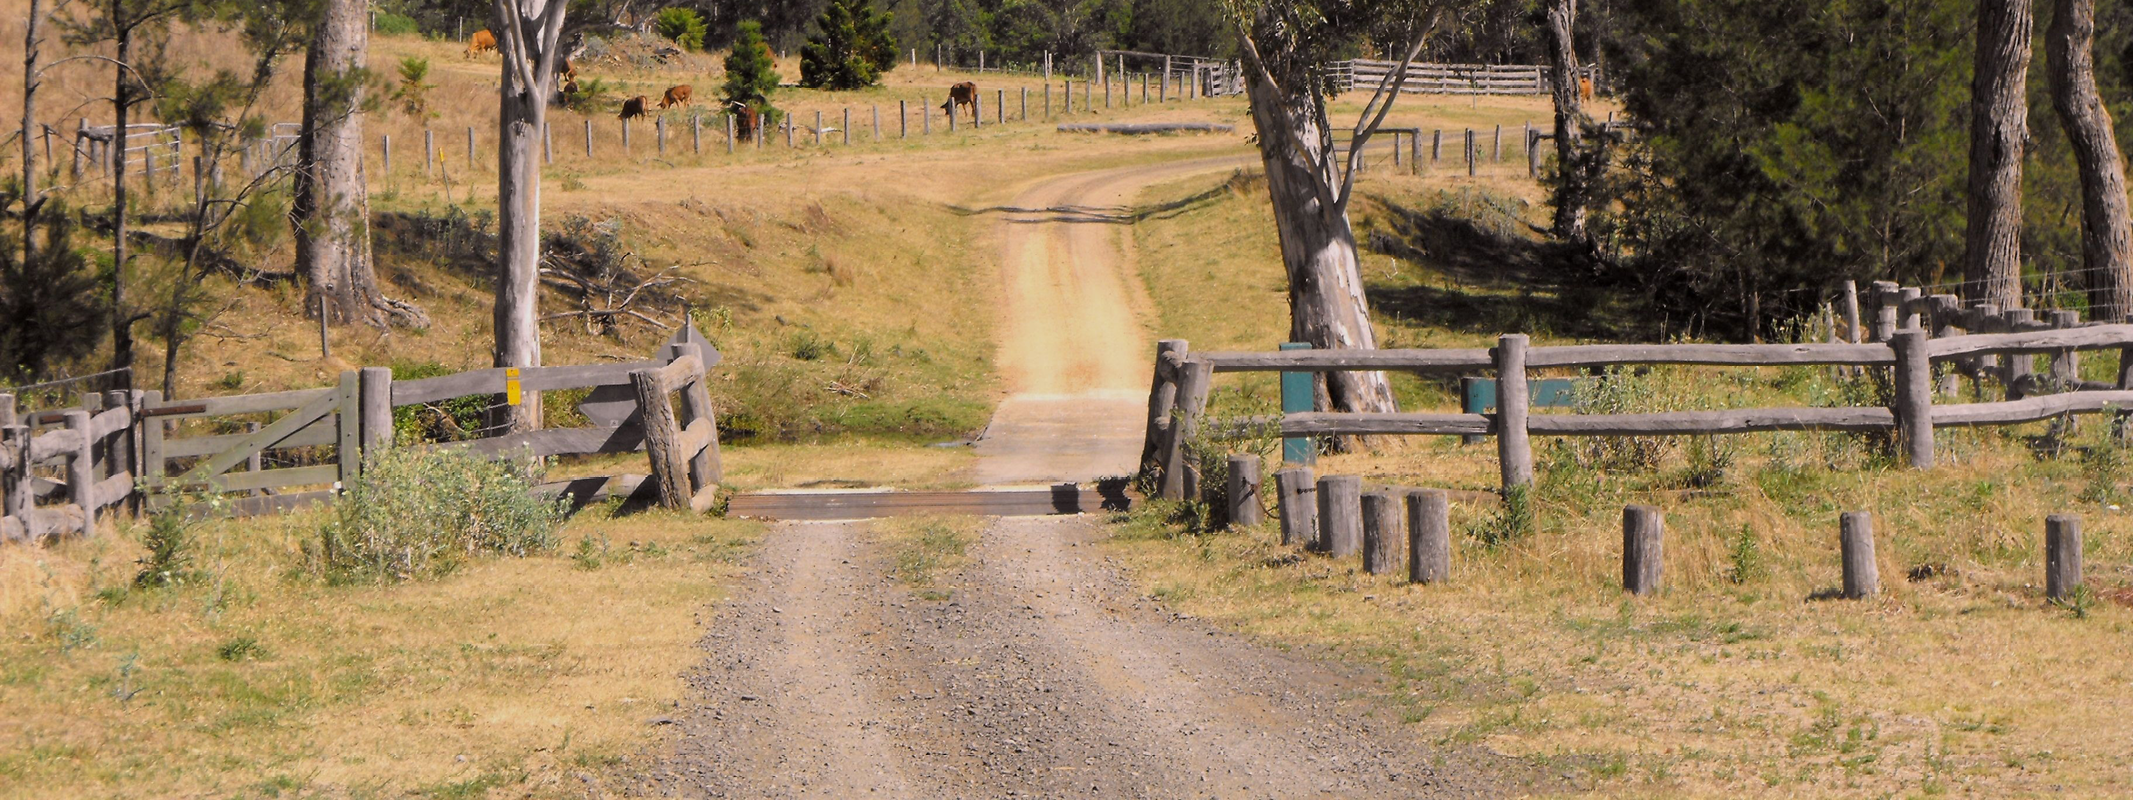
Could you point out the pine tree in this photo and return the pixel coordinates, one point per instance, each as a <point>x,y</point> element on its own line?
<point>751,75</point>
<point>850,49</point>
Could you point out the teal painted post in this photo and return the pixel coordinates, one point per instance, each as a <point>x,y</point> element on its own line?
<point>1297,390</point>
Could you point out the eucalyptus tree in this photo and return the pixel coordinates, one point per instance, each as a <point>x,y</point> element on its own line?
<point>528,35</point>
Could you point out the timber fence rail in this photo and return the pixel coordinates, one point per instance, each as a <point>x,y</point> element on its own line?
<point>138,448</point>
<point>1178,396</point>
<point>1433,78</point>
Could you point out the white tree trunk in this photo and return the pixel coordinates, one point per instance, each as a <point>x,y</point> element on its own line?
<point>527,44</point>
<point>333,208</point>
<point>1326,304</point>
<point>1572,170</point>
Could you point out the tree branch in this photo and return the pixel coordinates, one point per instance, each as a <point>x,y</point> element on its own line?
<point>1319,165</point>
<point>1367,123</point>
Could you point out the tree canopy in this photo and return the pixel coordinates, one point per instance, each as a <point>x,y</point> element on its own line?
<point>850,48</point>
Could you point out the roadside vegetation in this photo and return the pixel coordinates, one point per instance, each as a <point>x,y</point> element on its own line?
<point>1742,677</point>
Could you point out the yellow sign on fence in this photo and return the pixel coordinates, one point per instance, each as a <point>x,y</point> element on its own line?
<point>512,394</point>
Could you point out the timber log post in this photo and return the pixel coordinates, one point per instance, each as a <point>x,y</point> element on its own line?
<point>1514,450</point>
<point>1862,576</point>
<point>1914,397</point>
<point>1298,506</point>
<point>1162,397</point>
<point>1429,536</point>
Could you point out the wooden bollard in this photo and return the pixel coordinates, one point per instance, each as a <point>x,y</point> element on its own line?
<point>1340,515</point>
<point>732,128</point>
<point>1643,548</point>
<point>845,136</point>
<point>696,134</point>
<point>1298,498</point>
<point>1914,396</point>
<point>1514,450</point>
<point>1862,575</point>
<point>1429,536</point>
<point>1381,532</point>
<point>2062,555</point>
<point>1242,491</point>
<point>1436,146</point>
<point>818,128</point>
<point>1162,398</point>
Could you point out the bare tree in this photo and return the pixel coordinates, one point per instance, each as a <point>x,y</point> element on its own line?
<point>332,204</point>
<point>1999,118</point>
<point>2106,226</point>
<point>1572,178</point>
<point>527,39</point>
<point>1284,45</point>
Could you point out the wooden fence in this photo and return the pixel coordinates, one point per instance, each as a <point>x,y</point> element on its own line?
<point>316,440</point>
<point>1426,78</point>
<point>1178,398</point>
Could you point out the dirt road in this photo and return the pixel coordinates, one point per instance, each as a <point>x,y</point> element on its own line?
<point>1042,673</point>
<point>1035,669</point>
<point>1073,349</point>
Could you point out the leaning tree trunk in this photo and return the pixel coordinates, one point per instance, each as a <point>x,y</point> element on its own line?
<point>527,44</point>
<point>1999,117</point>
<point>2106,228</point>
<point>1570,156</point>
<point>333,212</point>
<point>1326,305</point>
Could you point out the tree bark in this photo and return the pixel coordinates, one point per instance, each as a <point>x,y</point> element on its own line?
<point>333,229</point>
<point>2106,226</point>
<point>1999,118</point>
<point>31,201</point>
<point>122,102</point>
<point>1326,304</point>
<point>528,46</point>
<point>1570,157</point>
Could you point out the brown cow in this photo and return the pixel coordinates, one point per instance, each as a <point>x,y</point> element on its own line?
<point>634,107</point>
<point>481,42</point>
<point>962,94</point>
<point>1584,89</point>
<point>745,120</point>
<point>567,70</point>
<point>675,96</point>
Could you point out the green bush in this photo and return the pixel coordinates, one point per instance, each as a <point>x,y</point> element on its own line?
<point>682,25</point>
<point>391,24</point>
<point>423,513</point>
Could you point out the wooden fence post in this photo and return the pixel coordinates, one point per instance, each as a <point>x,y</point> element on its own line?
<point>1914,396</point>
<point>999,106</point>
<point>588,137</point>
<point>81,466</point>
<point>1947,311</point>
<point>2062,555</point>
<point>1862,575</point>
<point>1851,311</point>
<point>1429,536</point>
<point>470,148</point>
<point>1162,397</point>
<point>1243,491</point>
<point>876,111</point>
<point>374,406</point>
<point>1298,506</point>
<point>1340,512</point>
<point>429,152</point>
<point>1907,306</point>
<point>120,443</point>
<point>2066,363</point>
<point>696,134</point>
<point>705,467</point>
<point>1025,104</point>
<point>732,130</point>
<point>903,119</point>
<point>662,438</point>
<point>1643,549</point>
<point>1470,152</point>
<point>1381,532</point>
<point>1533,155</point>
<point>151,459</point>
<point>1496,145</point>
<point>14,474</point>
<point>817,131</point>
<point>659,132</point>
<point>1436,145</point>
<point>845,136</point>
<point>1514,451</point>
<point>1180,475</point>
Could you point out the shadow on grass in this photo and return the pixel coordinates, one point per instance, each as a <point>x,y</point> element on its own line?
<point>1109,215</point>
<point>1497,275</point>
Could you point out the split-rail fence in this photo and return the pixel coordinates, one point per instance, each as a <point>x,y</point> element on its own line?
<point>1177,407</point>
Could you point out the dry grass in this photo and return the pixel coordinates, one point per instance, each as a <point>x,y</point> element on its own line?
<point>514,675</point>
<point>1734,681</point>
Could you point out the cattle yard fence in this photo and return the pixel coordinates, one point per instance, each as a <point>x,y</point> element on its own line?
<point>59,468</point>
<point>1430,78</point>
<point>1911,336</point>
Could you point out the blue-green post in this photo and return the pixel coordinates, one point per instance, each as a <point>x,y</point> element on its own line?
<point>1297,395</point>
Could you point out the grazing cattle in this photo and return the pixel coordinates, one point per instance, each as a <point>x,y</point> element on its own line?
<point>634,107</point>
<point>675,96</point>
<point>481,42</point>
<point>1584,89</point>
<point>745,120</point>
<point>564,92</point>
<point>567,70</point>
<point>962,94</point>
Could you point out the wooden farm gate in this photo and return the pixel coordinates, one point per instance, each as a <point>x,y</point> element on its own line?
<point>266,453</point>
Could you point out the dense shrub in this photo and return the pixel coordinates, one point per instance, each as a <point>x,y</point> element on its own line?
<point>423,513</point>
<point>391,24</point>
<point>682,25</point>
